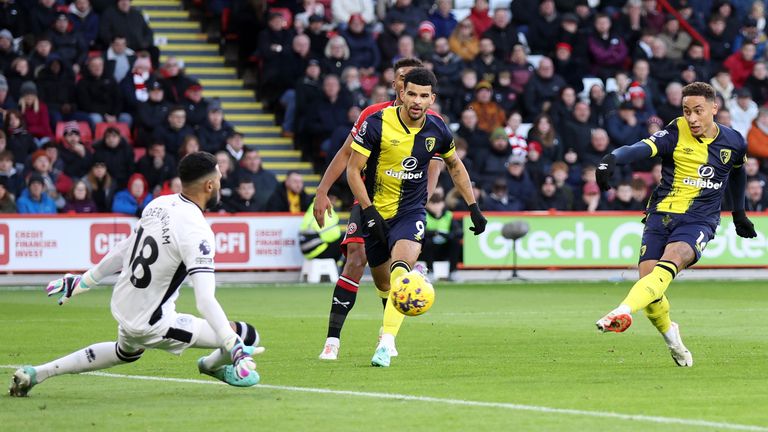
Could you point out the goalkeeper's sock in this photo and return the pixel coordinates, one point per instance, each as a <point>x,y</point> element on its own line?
<point>392,318</point>
<point>344,296</point>
<point>216,359</point>
<point>651,287</point>
<point>95,357</point>
<point>658,313</point>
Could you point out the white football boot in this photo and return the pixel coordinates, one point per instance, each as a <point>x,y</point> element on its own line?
<point>331,349</point>
<point>392,349</point>
<point>680,353</point>
<point>22,381</point>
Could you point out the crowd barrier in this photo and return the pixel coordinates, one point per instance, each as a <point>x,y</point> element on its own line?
<point>269,241</point>
<point>77,242</point>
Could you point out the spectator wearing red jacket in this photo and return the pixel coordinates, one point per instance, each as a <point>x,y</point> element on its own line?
<point>741,63</point>
<point>479,16</point>
<point>35,113</point>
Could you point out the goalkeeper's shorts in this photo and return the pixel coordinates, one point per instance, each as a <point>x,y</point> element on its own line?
<point>174,333</point>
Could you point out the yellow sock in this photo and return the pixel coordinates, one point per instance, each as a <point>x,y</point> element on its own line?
<point>392,318</point>
<point>651,287</point>
<point>658,313</point>
<point>397,272</point>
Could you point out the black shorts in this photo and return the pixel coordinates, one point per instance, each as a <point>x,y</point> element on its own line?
<point>664,228</point>
<point>408,226</point>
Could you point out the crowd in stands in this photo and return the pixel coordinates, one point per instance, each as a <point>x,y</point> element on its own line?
<point>537,93</point>
<point>92,122</point>
<point>528,125</point>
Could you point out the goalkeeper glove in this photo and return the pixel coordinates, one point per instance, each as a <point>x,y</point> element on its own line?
<point>242,362</point>
<point>744,227</point>
<point>68,286</point>
<point>605,171</point>
<point>478,220</point>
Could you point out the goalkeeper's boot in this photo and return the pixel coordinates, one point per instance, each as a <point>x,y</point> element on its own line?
<point>217,373</point>
<point>331,349</point>
<point>381,357</point>
<point>614,322</point>
<point>229,375</point>
<point>680,353</point>
<point>243,372</point>
<point>22,382</point>
<point>392,349</point>
<point>232,378</point>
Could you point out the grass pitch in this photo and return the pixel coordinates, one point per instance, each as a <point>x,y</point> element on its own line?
<point>486,357</point>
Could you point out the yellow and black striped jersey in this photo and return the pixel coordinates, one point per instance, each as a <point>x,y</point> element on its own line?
<point>398,158</point>
<point>695,171</point>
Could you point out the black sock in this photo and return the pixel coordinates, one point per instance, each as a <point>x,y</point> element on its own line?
<point>344,296</point>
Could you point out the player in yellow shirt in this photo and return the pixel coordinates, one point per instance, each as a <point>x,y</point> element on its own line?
<point>699,158</point>
<point>393,148</point>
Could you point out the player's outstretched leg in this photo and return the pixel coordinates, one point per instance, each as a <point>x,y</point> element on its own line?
<point>95,357</point>
<point>343,299</point>
<point>648,289</point>
<point>658,313</point>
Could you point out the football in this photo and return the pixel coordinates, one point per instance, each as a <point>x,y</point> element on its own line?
<point>412,295</point>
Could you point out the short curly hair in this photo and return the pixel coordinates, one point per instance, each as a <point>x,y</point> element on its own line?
<point>699,88</point>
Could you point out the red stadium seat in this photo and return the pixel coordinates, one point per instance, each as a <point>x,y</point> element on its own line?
<point>138,153</point>
<point>86,136</point>
<point>125,131</point>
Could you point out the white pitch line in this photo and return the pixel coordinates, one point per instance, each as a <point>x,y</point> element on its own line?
<point>460,402</point>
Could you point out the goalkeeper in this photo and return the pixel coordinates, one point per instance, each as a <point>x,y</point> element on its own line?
<point>171,241</point>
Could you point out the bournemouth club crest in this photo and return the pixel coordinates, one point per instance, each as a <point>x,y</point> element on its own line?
<point>725,156</point>
<point>430,143</point>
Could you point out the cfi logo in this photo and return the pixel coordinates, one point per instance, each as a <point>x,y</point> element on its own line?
<point>725,155</point>
<point>410,163</point>
<point>363,128</point>
<point>429,142</point>
<point>351,228</point>
<point>707,171</point>
<point>205,247</point>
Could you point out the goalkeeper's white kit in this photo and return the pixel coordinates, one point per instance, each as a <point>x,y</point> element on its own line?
<point>170,241</point>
